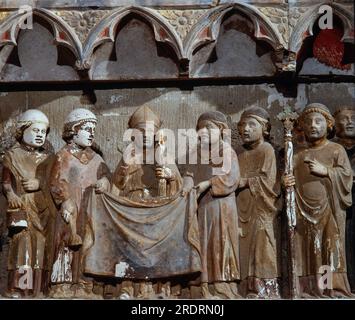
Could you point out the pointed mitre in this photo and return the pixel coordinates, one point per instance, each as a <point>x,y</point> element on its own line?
<point>143,115</point>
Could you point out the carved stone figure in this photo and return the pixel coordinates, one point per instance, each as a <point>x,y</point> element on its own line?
<point>256,202</point>
<point>141,181</point>
<point>345,135</point>
<point>77,168</point>
<point>323,182</point>
<point>145,229</point>
<point>216,182</point>
<point>30,213</point>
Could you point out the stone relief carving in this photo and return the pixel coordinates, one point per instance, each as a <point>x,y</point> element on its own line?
<point>320,228</point>
<point>234,52</point>
<point>257,210</point>
<point>182,20</point>
<point>78,198</point>
<point>143,203</point>
<point>279,18</point>
<point>345,135</point>
<point>303,28</point>
<point>82,22</point>
<point>185,31</point>
<point>217,211</point>
<point>105,31</point>
<point>76,169</point>
<point>294,16</point>
<point>207,30</point>
<point>63,34</point>
<point>135,36</point>
<point>30,212</point>
<point>38,58</point>
<point>153,191</point>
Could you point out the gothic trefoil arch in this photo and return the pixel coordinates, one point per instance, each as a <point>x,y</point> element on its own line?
<point>105,31</point>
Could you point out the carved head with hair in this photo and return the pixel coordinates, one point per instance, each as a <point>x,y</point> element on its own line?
<point>32,128</point>
<point>79,127</point>
<point>316,122</point>
<point>345,122</point>
<point>254,125</point>
<point>207,125</point>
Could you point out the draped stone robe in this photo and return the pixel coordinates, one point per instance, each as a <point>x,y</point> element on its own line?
<point>350,218</point>
<point>74,172</point>
<point>218,220</point>
<point>31,247</point>
<point>321,212</point>
<point>149,238</point>
<point>258,220</point>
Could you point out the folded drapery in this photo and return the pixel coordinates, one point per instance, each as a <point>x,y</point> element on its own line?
<point>145,240</point>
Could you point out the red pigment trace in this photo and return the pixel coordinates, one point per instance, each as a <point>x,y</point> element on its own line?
<point>329,49</point>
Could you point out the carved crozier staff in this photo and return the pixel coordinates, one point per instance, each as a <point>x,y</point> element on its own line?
<point>161,160</point>
<point>288,118</point>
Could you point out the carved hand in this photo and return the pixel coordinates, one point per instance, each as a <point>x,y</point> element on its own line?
<point>14,201</point>
<point>317,168</point>
<point>102,185</point>
<point>164,173</point>
<point>67,210</point>
<point>202,187</point>
<point>30,184</point>
<point>288,180</point>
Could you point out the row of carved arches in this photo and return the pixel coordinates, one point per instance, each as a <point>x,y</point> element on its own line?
<point>139,43</point>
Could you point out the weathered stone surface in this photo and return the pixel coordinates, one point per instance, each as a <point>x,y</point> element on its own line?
<point>115,3</point>
<point>182,20</point>
<point>38,58</point>
<point>137,56</point>
<point>177,108</point>
<point>236,53</point>
<point>278,16</point>
<point>105,3</point>
<point>312,66</point>
<point>82,22</point>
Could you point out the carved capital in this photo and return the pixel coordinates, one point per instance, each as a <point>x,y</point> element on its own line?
<point>82,65</point>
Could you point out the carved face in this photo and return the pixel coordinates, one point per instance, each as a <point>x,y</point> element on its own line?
<point>345,124</point>
<point>209,132</point>
<point>147,139</point>
<point>315,126</point>
<point>35,135</point>
<point>250,130</point>
<point>85,135</point>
